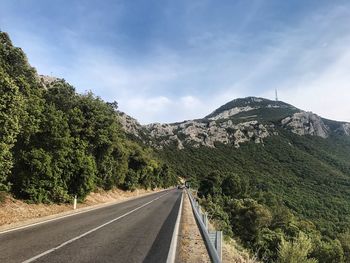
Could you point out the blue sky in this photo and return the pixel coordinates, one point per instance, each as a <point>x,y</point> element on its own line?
<point>166,61</point>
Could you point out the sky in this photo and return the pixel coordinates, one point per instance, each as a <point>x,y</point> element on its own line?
<point>168,61</point>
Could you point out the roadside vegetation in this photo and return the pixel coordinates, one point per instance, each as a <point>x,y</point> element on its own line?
<point>56,143</point>
<point>287,200</point>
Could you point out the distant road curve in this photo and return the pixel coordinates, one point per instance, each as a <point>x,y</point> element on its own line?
<point>139,230</point>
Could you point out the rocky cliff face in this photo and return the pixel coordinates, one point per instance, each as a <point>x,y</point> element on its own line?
<point>207,133</point>
<point>346,128</point>
<point>306,123</point>
<point>237,122</point>
<point>130,125</point>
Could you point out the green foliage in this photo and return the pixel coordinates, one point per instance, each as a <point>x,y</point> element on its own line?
<point>210,185</point>
<point>247,217</point>
<point>328,251</point>
<point>82,167</point>
<point>234,186</point>
<point>266,192</point>
<point>43,184</point>
<point>296,251</point>
<point>55,143</point>
<point>344,239</point>
<point>10,109</point>
<point>218,215</point>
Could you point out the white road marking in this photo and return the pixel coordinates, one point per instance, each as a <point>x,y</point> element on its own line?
<point>172,251</point>
<point>90,231</point>
<point>73,214</point>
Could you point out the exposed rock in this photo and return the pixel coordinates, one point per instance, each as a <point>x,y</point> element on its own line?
<point>47,80</point>
<point>223,127</point>
<point>228,113</point>
<point>197,133</point>
<point>306,123</point>
<point>130,125</point>
<point>346,127</point>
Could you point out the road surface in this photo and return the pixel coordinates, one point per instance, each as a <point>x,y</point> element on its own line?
<point>139,230</point>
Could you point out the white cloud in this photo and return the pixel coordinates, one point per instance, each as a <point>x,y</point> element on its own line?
<point>308,63</point>
<point>163,109</point>
<point>327,94</point>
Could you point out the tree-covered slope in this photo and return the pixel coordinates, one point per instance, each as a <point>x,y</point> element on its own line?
<point>306,176</point>
<point>56,143</point>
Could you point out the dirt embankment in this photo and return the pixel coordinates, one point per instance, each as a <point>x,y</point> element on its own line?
<point>15,212</point>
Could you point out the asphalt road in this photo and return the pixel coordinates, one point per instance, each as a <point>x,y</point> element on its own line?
<point>138,230</point>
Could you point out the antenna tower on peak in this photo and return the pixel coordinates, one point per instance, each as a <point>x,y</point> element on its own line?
<point>276,95</point>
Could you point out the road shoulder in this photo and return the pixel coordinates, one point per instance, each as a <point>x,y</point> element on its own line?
<point>191,246</point>
<point>17,214</point>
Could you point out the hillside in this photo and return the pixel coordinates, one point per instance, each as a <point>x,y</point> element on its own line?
<point>292,165</point>
<point>267,172</point>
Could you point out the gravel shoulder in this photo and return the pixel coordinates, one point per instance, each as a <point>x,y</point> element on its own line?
<point>191,245</point>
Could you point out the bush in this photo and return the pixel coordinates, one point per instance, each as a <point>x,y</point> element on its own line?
<point>296,251</point>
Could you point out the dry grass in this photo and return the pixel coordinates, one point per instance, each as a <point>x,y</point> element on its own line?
<point>14,212</point>
<point>233,253</point>
<point>2,197</point>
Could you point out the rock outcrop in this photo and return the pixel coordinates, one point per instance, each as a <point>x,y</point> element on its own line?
<point>206,133</point>
<point>231,112</point>
<point>346,128</point>
<point>306,123</point>
<point>47,80</point>
<point>239,121</point>
<point>130,125</point>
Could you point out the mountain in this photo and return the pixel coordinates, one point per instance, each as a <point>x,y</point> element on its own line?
<point>239,121</point>
<point>269,174</point>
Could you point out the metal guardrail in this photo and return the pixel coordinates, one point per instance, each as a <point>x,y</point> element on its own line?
<point>212,239</point>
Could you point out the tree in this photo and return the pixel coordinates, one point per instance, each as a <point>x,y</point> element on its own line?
<point>247,218</point>
<point>344,239</point>
<point>82,171</point>
<point>296,251</point>
<point>210,185</point>
<point>328,251</point>
<point>10,108</point>
<point>234,186</point>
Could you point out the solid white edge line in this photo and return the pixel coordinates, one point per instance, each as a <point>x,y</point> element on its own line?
<point>73,214</point>
<point>173,246</point>
<point>90,231</point>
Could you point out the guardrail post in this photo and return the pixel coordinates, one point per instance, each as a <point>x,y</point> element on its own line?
<point>205,220</point>
<point>212,237</point>
<point>219,243</point>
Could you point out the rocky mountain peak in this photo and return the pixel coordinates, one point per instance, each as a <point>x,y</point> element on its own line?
<point>238,121</point>
<point>247,104</point>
